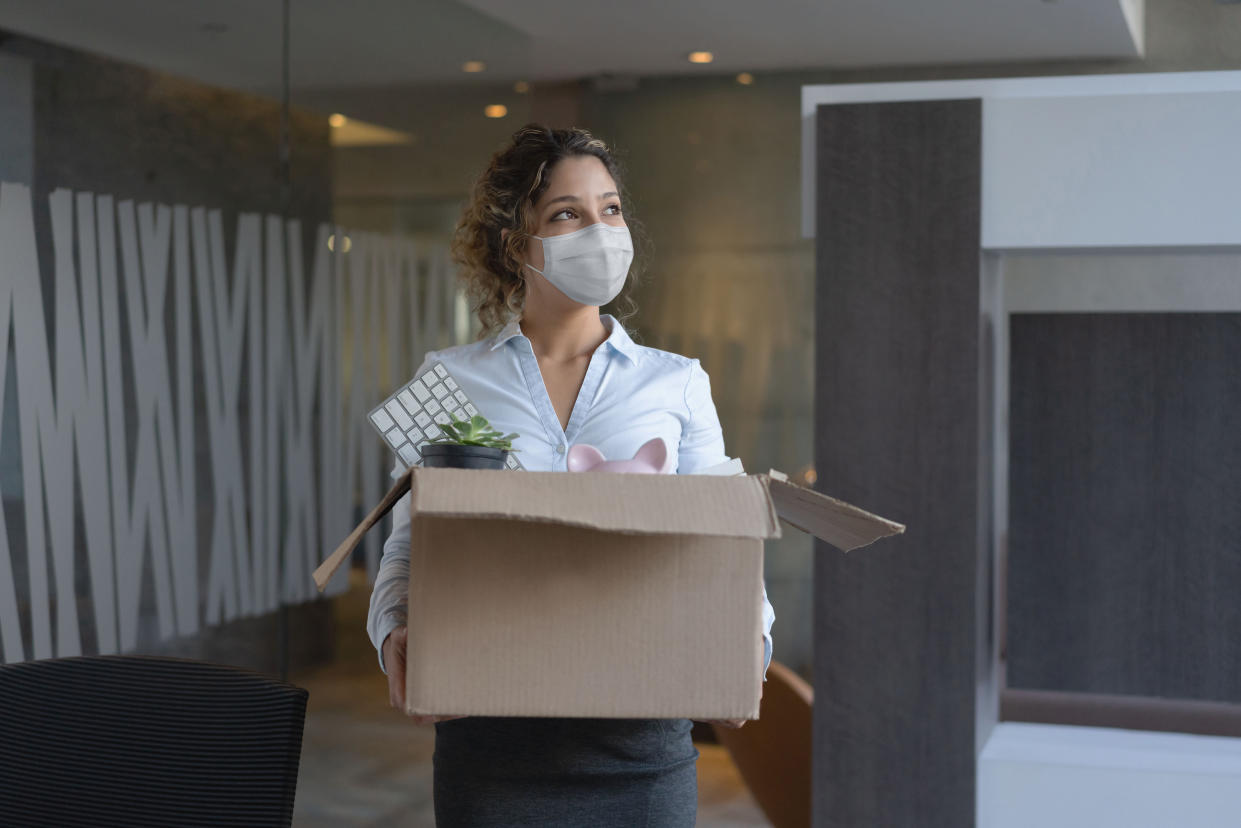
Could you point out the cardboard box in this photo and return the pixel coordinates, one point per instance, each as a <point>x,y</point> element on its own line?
<point>594,594</point>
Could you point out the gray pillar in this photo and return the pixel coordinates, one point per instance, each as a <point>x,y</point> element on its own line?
<point>898,432</point>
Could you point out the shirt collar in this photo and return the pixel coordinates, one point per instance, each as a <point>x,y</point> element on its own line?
<point>618,338</point>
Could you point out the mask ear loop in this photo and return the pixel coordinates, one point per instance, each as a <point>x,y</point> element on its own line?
<point>532,267</point>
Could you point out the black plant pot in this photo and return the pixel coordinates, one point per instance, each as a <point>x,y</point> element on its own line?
<point>457,456</point>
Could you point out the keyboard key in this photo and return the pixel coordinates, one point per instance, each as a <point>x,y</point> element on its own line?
<point>381,419</point>
<point>398,413</point>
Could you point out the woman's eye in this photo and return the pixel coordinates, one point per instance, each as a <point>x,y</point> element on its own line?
<point>613,209</point>
<point>565,213</point>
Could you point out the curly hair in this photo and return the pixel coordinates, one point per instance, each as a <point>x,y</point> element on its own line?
<point>490,263</point>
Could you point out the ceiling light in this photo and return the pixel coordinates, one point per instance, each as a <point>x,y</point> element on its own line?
<point>701,57</point>
<point>337,120</point>
<point>745,79</point>
<point>521,87</point>
<point>345,243</point>
<point>473,66</point>
<point>496,111</point>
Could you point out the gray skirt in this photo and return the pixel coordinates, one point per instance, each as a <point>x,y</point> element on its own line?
<point>627,773</point>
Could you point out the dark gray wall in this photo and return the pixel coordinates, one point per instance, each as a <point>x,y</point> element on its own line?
<point>897,425</point>
<point>1125,528</point>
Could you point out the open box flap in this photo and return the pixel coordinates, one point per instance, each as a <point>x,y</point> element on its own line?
<point>729,506</point>
<point>841,524</point>
<point>328,568</point>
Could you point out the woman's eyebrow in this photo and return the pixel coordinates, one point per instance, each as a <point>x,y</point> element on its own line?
<point>557,199</point>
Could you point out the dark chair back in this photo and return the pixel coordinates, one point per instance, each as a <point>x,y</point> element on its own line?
<point>146,741</point>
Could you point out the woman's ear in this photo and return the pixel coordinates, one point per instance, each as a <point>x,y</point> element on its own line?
<point>654,452</point>
<point>583,457</point>
<point>503,235</point>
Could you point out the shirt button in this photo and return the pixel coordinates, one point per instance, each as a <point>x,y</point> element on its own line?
<point>560,449</point>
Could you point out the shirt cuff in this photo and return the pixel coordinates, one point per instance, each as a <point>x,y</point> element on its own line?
<point>390,621</point>
<point>766,655</point>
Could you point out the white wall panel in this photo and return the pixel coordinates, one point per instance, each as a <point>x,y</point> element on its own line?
<point>1034,776</point>
<point>1112,171</point>
<point>1134,160</point>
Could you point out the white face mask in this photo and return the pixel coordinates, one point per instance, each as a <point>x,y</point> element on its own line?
<point>588,265</point>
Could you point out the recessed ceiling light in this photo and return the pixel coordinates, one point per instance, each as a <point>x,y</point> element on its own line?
<point>701,57</point>
<point>496,111</point>
<point>745,79</point>
<point>473,66</point>
<point>337,120</point>
<point>521,87</point>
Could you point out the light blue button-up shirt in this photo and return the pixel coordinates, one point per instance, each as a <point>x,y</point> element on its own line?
<point>630,394</point>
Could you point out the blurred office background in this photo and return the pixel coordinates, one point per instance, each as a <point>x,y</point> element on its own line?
<point>393,109</point>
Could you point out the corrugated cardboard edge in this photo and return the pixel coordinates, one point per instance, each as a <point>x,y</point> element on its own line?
<point>328,568</point>
<point>841,524</point>
<point>629,504</point>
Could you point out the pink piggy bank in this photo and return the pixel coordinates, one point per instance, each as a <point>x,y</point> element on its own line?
<point>652,458</point>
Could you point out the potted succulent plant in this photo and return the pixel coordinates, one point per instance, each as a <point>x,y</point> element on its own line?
<point>468,444</point>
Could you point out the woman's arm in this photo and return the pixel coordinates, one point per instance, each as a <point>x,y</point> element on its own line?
<point>702,439</point>
<point>390,595</point>
<point>702,446</point>
<point>769,616</point>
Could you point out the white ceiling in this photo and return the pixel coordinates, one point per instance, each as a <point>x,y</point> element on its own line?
<point>337,44</point>
<point>653,36</point>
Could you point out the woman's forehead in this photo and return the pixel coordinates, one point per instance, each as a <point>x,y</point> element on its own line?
<point>582,175</point>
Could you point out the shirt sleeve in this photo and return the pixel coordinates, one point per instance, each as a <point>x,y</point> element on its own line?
<point>702,440</point>
<point>702,446</point>
<point>769,615</point>
<point>389,597</point>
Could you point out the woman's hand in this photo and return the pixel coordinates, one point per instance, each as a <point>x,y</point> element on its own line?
<point>732,724</point>
<point>394,661</point>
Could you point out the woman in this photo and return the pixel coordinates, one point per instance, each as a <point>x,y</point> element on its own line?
<point>542,244</point>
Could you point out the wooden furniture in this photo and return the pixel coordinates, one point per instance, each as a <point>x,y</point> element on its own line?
<point>773,753</point>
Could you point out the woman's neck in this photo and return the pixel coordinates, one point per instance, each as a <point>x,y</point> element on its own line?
<point>564,336</point>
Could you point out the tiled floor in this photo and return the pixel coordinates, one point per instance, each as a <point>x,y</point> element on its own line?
<point>364,765</point>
